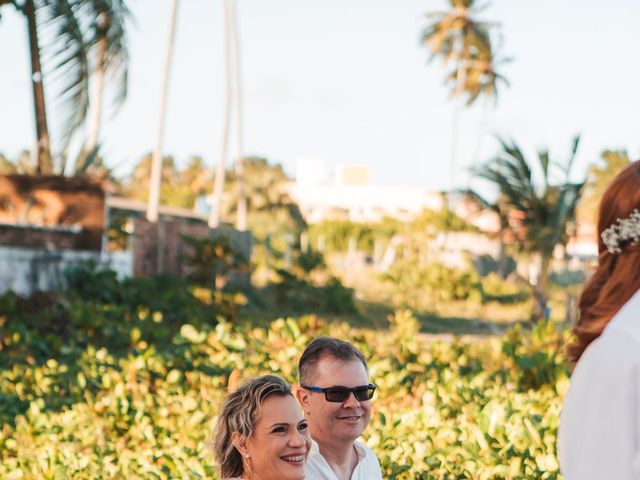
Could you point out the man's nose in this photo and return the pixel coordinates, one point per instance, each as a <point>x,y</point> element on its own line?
<point>352,401</point>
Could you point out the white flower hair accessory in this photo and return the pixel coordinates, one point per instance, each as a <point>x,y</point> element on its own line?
<point>625,230</point>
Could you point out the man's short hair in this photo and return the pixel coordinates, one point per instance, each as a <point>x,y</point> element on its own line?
<point>326,347</point>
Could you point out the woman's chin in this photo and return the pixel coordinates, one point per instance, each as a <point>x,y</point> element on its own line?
<point>293,472</point>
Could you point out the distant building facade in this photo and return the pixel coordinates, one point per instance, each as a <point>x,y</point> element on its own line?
<point>351,196</point>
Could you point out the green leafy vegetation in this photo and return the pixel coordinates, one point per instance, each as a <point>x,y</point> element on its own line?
<point>338,234</point>
<point>123,380</point>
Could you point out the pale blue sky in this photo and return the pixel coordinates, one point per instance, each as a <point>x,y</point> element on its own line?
<point>348,81</point>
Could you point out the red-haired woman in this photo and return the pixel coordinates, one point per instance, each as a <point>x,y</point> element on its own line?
<point>599,435</point>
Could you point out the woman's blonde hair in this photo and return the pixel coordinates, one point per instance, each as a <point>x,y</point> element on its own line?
<point>240,410</point>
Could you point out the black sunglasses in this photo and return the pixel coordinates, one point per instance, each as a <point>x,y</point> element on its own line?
<point>340,394</point>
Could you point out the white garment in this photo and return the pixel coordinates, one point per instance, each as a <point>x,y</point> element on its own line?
<point>368,467</point>
<point>599,433</point>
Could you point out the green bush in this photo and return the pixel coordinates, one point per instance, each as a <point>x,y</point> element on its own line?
<point>417,284</point>
<point>479,409</point>
<point>297,295</point>
<point>88,408</point>
<point>494,289</point>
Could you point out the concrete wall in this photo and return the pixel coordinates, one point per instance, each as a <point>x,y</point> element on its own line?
<point>159,247</point>
<point>28,270</point>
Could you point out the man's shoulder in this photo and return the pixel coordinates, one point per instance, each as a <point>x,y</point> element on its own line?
<point>364,451</point>
<point>317,467</point>
<point>368,465</point>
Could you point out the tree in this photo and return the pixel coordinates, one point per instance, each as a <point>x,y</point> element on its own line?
<point>155,178</point>
<point>232,97</point>
<point>457,36</point>
<point>483,80</point>
<point>599,177</point>
<point>61,35</point>
<point>55,24</point>
<point>539,216</point>
<point>241,209</point>
<point>504,233</point>
<point>270,211</point>
<point>108,50</point>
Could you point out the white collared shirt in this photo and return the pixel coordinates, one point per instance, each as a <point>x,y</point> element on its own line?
<point>368,467</point>
<point>599,433</point>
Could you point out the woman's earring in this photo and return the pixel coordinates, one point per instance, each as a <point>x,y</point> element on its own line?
<point>247,455</point>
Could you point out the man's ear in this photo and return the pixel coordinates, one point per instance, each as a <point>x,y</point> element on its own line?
<point>240,442</point>
<point>303,398</point>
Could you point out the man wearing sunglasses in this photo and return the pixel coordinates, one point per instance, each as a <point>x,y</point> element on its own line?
<point>335,394</point>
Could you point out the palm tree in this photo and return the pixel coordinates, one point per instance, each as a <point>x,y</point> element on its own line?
<point>457,36</point>
<point>241,214</point>
<point>62,33</point>
<point>218,182</point>
<point>504,234</point>
<point>57,40</point>
<point>483,80</point>
<point>108,46</point>
<point>231,95</point>
<point>539,217</point>
<point>156,162</point>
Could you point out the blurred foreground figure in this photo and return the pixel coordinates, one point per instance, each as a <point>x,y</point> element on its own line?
<point>599,433</point>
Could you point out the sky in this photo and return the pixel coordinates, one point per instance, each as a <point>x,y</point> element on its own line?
<point>349,82</point>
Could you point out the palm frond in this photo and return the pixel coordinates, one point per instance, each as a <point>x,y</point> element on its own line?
<point>106,40</point>
<point>540,218</point>
<point>65,59</point>
<point>575,143</point>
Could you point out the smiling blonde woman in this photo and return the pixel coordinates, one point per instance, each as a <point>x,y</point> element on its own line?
<point>260,433</point>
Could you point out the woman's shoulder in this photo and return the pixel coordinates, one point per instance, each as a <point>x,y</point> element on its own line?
<point>627,320</point>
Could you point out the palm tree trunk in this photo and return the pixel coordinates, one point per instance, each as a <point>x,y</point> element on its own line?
<point>97,95</point>
<point>502,260</point>
<point>481,131</point>
<point>43,146</point>
<point>218,186</point>
<point>241,213</point>
<point>156,161</point>
<point>460,81</point>
<point>540,294</point>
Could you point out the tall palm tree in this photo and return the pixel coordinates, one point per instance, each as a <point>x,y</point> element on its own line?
<point>62,35</point>
<point>241,213</point>
<point>218,183</point>
<point>483,80</point>
<point>232,98</point>
<point>108,48</point>
<point>156,162</point>
<point>57,43</point>
<point>457,37</point>
<point>539,216</point>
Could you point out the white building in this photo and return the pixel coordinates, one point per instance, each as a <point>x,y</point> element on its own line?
<point>361,202</point>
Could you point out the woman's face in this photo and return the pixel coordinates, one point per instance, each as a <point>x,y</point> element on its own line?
<point>280,442</point>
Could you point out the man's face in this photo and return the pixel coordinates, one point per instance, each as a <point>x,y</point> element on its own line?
<point>330,421</point>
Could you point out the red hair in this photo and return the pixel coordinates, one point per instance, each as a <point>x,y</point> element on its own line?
<point>617,277</point>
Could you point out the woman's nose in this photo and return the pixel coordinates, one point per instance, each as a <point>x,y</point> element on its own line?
<point>297,440</point>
